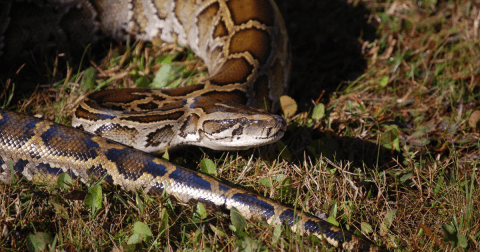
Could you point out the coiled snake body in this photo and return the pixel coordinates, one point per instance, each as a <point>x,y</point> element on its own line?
<point>245,47</point>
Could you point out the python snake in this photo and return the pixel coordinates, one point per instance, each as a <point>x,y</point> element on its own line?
<point>245,47</point>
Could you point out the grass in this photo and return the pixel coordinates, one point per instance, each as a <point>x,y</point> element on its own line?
<point>394,154</point>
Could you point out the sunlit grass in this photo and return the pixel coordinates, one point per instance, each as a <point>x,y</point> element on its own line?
<point>395,154</point>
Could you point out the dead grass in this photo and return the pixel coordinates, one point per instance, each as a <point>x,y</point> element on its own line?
<point>395,155</point>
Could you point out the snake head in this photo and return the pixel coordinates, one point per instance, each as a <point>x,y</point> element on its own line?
<point>231,126</point>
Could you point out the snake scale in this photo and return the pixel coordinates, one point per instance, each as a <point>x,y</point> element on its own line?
<point>245,47</point>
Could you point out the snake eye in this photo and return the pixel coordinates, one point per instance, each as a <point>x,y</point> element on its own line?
<point>238,131</point>
<point>216,126</point>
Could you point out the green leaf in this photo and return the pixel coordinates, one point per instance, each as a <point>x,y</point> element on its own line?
<point>285,187</point>
<point>237,220</point>
<point>439,186</point>
<point>94,198</point>
<point>248,244</point>
<point>12,173</point>
<point>279,177</point>
<point>166,156</point>
<point>89,77</point>
<point>390,139</point>
<point>143,230</point>
<point>167,76</point>
<point>218,231</point>
<point>389,217</point>
<point>462,240</point>
<point>60,210</point>
<point>132,247</point>
<point>38,241</point>
<point>164,220</point>
<point>64,181</point>
<point>135,239</point>
<point>366,228</point>
<point>455,238</point>
<point>163,59</point>
<point>383,81</point>
<point>199,212</point>
<point>142,82</point>
<point>162,76</point>
<point>332,221</point>
<point>450,234</point>
<point>265,182</point>
<point>139,202</point>
<point>405,177</point>
<point>207,166</point>
<point>318,112</point>
<point>334,211</point>
<point>277,231</point>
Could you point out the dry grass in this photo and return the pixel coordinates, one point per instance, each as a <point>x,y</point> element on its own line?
<point>395,155</point>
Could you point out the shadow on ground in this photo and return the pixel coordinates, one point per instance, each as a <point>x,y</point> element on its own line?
<point>325,37</point>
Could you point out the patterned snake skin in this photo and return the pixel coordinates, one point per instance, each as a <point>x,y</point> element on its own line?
<point>245,47</point>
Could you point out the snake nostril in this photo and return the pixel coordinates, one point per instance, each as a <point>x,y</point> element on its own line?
<point>280,122</point>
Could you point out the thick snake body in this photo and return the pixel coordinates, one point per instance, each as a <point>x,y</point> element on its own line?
<point>245,47</point>
<point>35,147</point>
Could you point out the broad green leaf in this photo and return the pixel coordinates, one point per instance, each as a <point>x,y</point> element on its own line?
<point>199,212</point>
<point>218,231</point>
<point>135,238</point>
<point>64,181</point>
<point>142,82</point>
<point>237,220</point>
<point>38,241</point>
<point>249,244</point>
<point>163,59</point>
<point>60,210</point>
<point>207,166</point>
<point>389,217</point>
<point>405,177</point>
<point>277,231</point>
<point>389,138</point>
<point>334,210</point>
<point>12,173</point>
<point>143,230</point>
<point>366,228</point>
<point>455,238</point>
<point>332,221</point>
<point>162,76</point>
<point>383,81</point>
<point>166,156</point>
<point>132,247</point>
<point>167,76</point>
<point>318,112</point>
<point>266,182</point>
<point>94,198</point>
<point>89,77</point>
<point>139,202</point>
<point>450,234</point>
<point>462,240</point>
<point>285,187</point>
<point>164,220</point>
